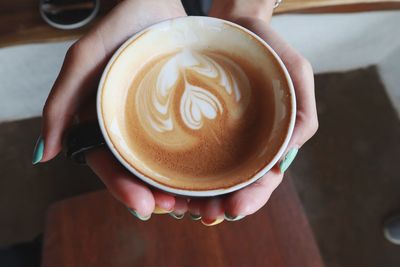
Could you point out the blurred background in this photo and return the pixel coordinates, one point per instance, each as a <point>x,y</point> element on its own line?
<point>346,177</point>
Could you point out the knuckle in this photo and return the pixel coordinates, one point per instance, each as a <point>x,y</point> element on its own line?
<point>301,118</point>
<point>48,109</point>
<point>52,112</point>
<point>278,180</point>
<point>303,65</point>
<point>314,125</point>
<point>309,124</point>
<point>75,50</point>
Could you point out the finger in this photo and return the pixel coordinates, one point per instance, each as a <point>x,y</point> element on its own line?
<point>194,208</point>
<point>256,9</point>
<point>122,185</point>
<point>75,83</point>
<point>301,72</point>
<point>250,199</point>
<point>212,212</point>
<point>164,202</point>
<point>303,81</point>
<point>181,206</point>
<point>86,59</point>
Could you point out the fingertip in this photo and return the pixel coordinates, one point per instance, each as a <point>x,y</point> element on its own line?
<point>125,187</point>
<point>212,209</point>
<point>194,207</point>
<point>181,205</point>
<point>38,151</point>
<point>238,204</point>
<point>52,129</point>
<point>164,202</point>
<point>138,201</point>
<point>46,147</point>
<point>133,194</point>
<point>252,198</point>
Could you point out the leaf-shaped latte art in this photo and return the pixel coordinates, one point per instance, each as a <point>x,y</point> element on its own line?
<point>190,86</point>
<point>197,103</point>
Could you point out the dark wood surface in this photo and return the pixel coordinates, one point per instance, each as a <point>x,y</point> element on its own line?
<point>20,21</point>
<point>96,230</point>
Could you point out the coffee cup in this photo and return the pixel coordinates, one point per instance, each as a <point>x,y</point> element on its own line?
<point>196,106</point>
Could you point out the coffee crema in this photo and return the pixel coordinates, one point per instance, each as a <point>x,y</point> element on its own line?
<point>199,116</point>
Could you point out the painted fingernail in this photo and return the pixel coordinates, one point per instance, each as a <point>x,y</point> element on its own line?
<point>159,210</point>
<point>38,151</point>
<point>212,222</point>
<point>176,215</point>
<point>288,159</point>
<point>194,217</point>
<point>231,218</point>
<point>142,218</point>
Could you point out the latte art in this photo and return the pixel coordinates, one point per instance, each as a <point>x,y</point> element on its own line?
<point>187,90</point>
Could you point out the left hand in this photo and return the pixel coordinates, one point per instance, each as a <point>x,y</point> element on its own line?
<point>255,15</point>
<point>73,97</point>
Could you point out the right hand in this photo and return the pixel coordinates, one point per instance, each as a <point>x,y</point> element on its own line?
<point>74,93</point>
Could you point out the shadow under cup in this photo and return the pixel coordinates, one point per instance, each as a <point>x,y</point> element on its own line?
<point>184,161</point>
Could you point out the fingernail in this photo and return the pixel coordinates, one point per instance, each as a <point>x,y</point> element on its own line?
<point>142,218</point>
<point>176,215</point>
<point>231,218</point>
<point>38,151</point>
<point>288,159</point>
<point>159,210</point>
<point>194,217</point>
<point>212,222</point>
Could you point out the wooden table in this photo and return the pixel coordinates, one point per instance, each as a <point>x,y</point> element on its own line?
<point>21,23</point>
<point>96,230</point>
<point>331,6</point>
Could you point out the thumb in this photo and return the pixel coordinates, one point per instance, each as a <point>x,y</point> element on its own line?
<point>73,86</point>
<point>49,142</point>
<point>306,115</point>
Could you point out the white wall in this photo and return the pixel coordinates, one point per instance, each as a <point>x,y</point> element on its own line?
<point>339,42</point>
<point>27,73</point>
<point>389,71</point>
<point>335,42</point>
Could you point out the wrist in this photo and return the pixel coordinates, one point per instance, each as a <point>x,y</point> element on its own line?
<point>235,9</point>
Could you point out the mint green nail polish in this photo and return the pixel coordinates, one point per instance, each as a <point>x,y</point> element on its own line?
<point>285,163</point>
<point>38,151</point>
<point>134,213</point>
<point>230,218</point>
<point>176,216</point>
<point>194,217</point>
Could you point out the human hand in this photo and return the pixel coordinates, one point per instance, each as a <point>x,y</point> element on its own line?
<point>76,85</point>
<point>255,15</point>
<point>73,95</point>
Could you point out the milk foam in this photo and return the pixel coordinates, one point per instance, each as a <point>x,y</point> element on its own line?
<point>223,84</point>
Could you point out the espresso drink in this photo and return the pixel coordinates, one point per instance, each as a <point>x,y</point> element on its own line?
<point>198,117</point>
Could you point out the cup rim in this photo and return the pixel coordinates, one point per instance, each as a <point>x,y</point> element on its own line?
<point>191,192</point>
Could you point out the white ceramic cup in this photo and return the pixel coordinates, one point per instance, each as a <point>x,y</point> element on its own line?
<point>182,32</point>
